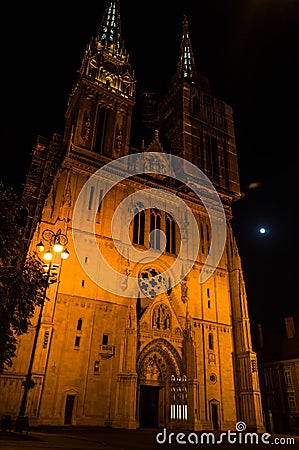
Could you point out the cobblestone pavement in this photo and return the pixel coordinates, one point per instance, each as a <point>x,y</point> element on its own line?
<point>113,439</point>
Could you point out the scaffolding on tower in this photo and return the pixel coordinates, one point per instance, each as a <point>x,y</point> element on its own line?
<point>46,159</point>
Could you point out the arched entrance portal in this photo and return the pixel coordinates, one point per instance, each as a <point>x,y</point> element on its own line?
<point>162,386</point>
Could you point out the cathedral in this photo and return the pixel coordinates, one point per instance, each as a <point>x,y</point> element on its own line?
<point>155,332</point>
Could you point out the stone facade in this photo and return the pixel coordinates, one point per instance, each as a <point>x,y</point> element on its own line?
<point>278,360</point>
<point>174,355</point>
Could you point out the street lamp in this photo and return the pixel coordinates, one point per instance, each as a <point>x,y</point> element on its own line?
<point>56,243</point>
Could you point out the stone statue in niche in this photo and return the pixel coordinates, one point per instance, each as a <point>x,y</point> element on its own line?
<point>149,163</point>
<point>119,140</point>
<point>66,202</point>
<point>161,319</point>
<point>211,358</point>
<point>184,290</point>
<point>130,317</point>
<point>184,228</point>
<point>86,126</point>
<point>124,284</point>
<point>137,206</point>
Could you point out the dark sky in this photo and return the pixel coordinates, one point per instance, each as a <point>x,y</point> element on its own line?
<point>249,51</point>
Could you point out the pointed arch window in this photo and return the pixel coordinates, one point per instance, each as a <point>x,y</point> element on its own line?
<point>101,130</point>
<point>91,195</point>
<point>79,324</point>
<point>195,106</point>
<point>100,201</point>
<point>178,397</point>
<point>215,163</point>
<point>104,130</point>
<point>170,235</point>
<point>155,230</point>
<point>138,227</point>
<point>187,61</point>
<point>209,153</point>
<point>211,341</point>
<point>202,238</point>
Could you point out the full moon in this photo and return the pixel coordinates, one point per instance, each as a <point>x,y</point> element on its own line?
<point>262,230</point>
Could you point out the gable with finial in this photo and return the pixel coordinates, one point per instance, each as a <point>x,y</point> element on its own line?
<point>159,162</point>
<point>155,145</point>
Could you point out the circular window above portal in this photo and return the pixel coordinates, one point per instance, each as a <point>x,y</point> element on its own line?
<point>152,282</point>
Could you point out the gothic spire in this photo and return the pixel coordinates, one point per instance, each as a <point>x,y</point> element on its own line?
<point>186,65</point>
<point>106,61</point>
<point>109,33</point>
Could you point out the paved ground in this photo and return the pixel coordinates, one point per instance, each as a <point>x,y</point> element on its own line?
<point>112,439</point>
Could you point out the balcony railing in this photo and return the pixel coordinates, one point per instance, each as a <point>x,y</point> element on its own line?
<point>107,351</point>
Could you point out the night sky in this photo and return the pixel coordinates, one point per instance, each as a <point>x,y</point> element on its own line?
<point>249,51</point>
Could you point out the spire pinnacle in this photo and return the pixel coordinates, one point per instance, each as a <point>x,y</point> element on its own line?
<point>106,61</point>
<point>109,33</point>
<point>186,65</point>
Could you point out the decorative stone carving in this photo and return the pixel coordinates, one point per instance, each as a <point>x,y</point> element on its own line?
<point>152,371</point>
<point>211,358</point>
<point>144,326</point>
<point>178,331</point>
<point>161,318</point>
<point>184,290</point>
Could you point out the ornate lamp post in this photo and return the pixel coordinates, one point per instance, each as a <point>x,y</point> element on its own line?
<point>56,243</point>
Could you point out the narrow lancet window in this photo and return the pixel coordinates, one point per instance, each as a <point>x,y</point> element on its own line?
<point>91,198</point>
<point>170,235</point>
<point>211,341</point>
<point>138,227</point>
<point>155,230</point>
<point>79,325</point>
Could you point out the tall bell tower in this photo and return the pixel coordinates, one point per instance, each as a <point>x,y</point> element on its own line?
<point>99,111</point>
<point>197,126</point>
